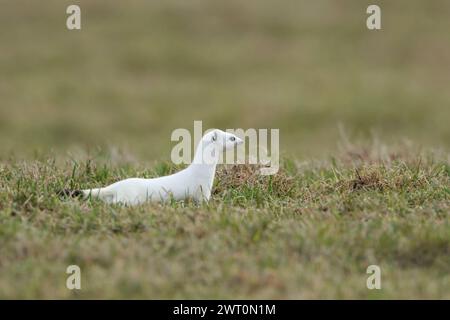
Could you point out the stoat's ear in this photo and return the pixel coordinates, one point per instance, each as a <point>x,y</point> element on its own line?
<point>214,137</point>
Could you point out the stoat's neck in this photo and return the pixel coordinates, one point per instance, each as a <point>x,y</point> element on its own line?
<point>205,161</point>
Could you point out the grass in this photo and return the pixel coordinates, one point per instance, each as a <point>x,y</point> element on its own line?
<point>309,232</point>
<point>86,108</point>
<point>140,69</point>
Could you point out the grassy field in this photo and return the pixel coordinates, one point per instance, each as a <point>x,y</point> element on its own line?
<point>308,232</point>
<point>364,133</point>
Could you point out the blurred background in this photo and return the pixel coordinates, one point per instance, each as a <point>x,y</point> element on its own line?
<point>139,69</point>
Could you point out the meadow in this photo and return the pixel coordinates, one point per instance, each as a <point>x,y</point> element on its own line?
<point>364,136</point>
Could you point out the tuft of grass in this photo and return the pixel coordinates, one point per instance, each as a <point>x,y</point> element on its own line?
<point>241,184</point>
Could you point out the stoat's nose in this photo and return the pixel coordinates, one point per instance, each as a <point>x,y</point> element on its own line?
<point>239,141</point>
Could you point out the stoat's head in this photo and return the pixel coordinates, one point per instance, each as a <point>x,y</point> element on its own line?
<point>222,140</point>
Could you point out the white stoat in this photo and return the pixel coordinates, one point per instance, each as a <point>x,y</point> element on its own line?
<point>194,182</point>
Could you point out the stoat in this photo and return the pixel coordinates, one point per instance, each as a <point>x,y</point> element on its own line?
<point>194,182</point>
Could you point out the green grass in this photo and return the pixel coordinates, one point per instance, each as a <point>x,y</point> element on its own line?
<point>86,108</point>
<point>139,69</point>
<point>308,232</point>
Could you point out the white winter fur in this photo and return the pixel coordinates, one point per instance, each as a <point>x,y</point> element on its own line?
<point>194,182</point>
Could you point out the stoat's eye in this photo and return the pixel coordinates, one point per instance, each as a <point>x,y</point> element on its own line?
<point>233,139</point>
<point>214,138</point>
